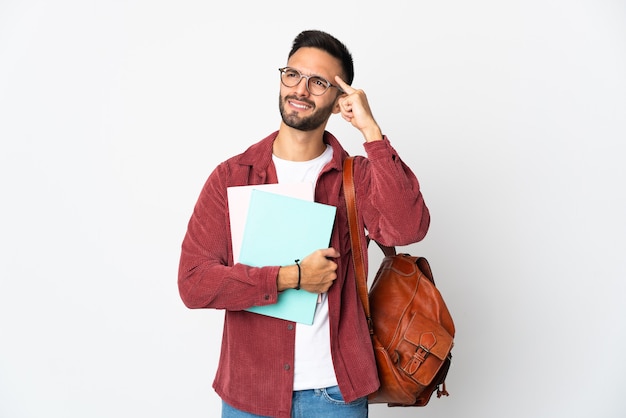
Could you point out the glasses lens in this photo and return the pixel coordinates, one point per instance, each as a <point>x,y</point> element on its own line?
<point>290,77</point>
<point>317,85</point>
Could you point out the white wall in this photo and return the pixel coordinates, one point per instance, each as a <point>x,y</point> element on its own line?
<point>112,114</point>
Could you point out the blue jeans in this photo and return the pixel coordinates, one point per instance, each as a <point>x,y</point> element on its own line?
<point>314,403</point>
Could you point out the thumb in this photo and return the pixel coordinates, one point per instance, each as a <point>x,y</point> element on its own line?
<point>330,253</point>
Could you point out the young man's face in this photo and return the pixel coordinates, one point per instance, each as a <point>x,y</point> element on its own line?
<point>298,107</point>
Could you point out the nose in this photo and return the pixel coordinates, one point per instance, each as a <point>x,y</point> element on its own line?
<point>302,88</point>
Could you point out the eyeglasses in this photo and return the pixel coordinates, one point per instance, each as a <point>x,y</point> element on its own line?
<point>290,77</point>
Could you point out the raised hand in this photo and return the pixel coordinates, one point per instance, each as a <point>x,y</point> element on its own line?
<point>355,109</point>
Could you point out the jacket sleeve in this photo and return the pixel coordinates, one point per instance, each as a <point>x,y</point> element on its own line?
<point>389,198</point>
<point>207,277</point>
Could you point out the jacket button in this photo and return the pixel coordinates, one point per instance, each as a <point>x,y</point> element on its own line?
<point>287,367</point>
<point>267,297</point>
<point>290,327</point>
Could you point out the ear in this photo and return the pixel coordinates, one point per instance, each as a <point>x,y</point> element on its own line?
<point>336,108</point>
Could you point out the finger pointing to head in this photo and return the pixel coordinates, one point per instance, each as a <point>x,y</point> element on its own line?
<point>344,86</point>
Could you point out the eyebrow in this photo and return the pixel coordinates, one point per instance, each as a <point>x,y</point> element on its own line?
<point>310,75</point>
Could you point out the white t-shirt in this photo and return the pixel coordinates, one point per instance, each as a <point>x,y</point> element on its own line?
<point>313,365</point>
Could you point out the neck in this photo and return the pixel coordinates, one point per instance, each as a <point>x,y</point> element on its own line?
<point>293,145</point>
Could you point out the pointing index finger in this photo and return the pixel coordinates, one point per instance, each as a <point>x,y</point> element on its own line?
<point>344,86</point>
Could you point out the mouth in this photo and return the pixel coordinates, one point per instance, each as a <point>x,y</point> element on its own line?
<point>299,104</point>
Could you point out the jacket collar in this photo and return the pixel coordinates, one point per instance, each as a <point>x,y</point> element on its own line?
<point>259,155</point>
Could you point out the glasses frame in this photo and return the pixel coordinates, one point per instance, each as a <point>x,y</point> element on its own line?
<point>283,70</point>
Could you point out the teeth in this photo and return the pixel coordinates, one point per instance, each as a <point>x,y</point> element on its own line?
<point>299,106</point>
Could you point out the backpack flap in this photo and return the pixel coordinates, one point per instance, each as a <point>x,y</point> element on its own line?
<point>423,349</point>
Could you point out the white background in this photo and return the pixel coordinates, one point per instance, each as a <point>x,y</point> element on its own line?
<point>113,113</point>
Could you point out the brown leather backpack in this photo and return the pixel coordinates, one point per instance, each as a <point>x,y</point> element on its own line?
<point>412,330</point>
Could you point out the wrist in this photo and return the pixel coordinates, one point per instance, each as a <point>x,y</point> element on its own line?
<point>287,278</point>
<point>373,134</point>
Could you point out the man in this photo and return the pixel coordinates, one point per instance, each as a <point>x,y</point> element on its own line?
<point>271,367</point>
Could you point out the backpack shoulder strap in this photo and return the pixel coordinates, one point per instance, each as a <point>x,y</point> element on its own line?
<point>355,237</point>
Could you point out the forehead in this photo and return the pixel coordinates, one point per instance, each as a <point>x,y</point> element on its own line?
<point>315,61</point>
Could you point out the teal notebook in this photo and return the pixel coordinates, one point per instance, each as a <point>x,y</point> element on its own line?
<point>280,229</point>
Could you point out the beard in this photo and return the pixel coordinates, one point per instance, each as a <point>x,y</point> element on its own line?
<point>318,118</point>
